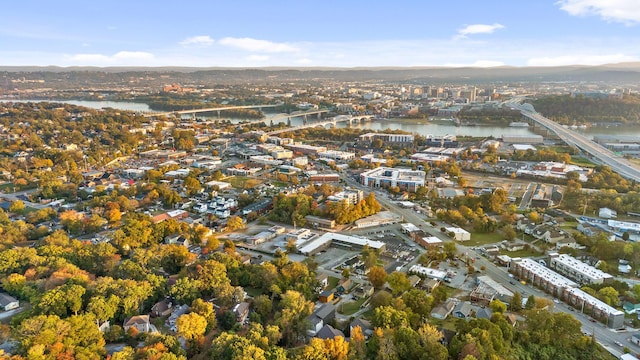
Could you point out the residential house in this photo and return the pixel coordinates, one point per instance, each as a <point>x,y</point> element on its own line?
<point>323,280</point>
<point>512,319</point>
<point>241,311</point>
<point>463,310</point>
<point>441,312</point>
<point>8,302</point>
<point>329,332</point>
<point>430,284</point>
<point>162,308</point>
<point>321,316</point>
<point>631,308</point>
<point>607,213</point>
<point>484,313</point>
<point>362,292</point>
<point>624,267</point>
<point>138,322</point>
<point>414,280</point>
<point>326,296</point>
<point>365,326</point>
<point>343,285</point>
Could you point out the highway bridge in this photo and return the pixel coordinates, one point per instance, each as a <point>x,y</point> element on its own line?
<point>216,109</point>
<point>280,117</point>
<point>349,119</point>
<point>596,151</point>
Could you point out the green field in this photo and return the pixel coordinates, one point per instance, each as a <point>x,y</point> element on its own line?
<point>581,161</point>
<point>479,239</point>
<point>239,182</point>
<point>332,282</point>
<point>351,307</point>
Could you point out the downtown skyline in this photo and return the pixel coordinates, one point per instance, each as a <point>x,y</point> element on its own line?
<point>320,34</point>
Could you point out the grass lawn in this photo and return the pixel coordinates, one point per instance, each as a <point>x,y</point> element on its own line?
<point>279,184</point>
<point>332,282</point>
<point>479,239</point>
<point>253,292</point>
<point>569,225</point>
<point>349,308</point>
<point>239,182</point>
<point>581,161</point>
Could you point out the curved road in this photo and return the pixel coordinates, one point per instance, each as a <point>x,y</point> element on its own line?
<point>617,163</point>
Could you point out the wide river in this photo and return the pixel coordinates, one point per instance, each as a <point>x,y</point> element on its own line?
<point>422,127</point>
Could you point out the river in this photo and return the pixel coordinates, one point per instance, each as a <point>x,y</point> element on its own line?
<point>418,126</point>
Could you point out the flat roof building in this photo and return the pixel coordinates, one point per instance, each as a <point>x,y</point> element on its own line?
<point>576,269</point>
<point>328,239</point>
<point>405,179</point>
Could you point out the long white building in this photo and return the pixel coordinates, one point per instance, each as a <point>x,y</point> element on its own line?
<point>328,239</point>
<point>576,269</point>
<point>566,290</point>
<point>405,179</point>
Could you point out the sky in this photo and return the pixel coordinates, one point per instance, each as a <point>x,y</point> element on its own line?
<point>311,33</point>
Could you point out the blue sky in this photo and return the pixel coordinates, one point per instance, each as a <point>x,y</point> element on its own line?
<point>257,33</point>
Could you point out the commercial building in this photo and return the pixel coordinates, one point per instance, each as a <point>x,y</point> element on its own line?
<point>428,272</point>
<point>405,179</point>
<point>336,155</point>
<point>306,149</point>
<point>320,223</point>
<point>446,141</point>
<point>577,270</point>
<point>459,234</point>
<point>387,138</point>
<point>352,196</point>
<point>339,240</point>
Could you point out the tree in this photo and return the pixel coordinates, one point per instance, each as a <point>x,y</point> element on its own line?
<point>381,298</point>
<point>389,317</point>
<point>450,249</point>
<point>192,185</point>
<point>516,302</point>
<point>498,306</point>
<point>357,344</point>
<point>531,302</point>
<point>205,309</point>
<point>377,276</point>
<point>17,207</point>
<point>235,223</point>
<point>191,326</point>
<point>398,282</point>
<point>292,317</point>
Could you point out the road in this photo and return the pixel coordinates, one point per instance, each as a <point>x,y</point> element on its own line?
<point>617,163</point>
<point>604,336</point>
<point>16,196</point>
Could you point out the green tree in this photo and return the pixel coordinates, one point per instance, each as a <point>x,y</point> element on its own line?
<point>498,306</point>
<point>17,207</point>
<point>235,223</point>
<point>398,282</point>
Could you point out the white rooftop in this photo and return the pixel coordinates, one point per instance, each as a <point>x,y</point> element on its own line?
<point>428,272</point>
<point>549,275</point>
<point>409,227</point>
<point>593,301</point>
<point>580,267</point>
<point>328,237</point>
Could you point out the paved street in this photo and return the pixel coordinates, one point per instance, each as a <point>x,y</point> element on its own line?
<point>605,336</point>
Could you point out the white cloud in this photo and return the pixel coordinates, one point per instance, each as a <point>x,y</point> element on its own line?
<point>304,61</point>
<point>119,58</point>
<point>580,60</point>
<point>200,40</point>
<point>623,11</point>
<point>260,58</point>
<point>257,45</point>
<point>479,29</point>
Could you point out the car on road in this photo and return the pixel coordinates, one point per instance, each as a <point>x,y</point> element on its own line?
<point>618,343</point>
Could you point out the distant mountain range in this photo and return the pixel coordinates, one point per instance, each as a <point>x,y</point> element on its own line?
<point>623,73</point>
